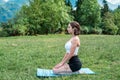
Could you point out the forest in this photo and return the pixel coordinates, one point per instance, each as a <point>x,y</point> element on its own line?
<point>52,17</point>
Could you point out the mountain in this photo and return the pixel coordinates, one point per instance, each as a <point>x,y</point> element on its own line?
<point>7,11</point>
<point>9,8</point>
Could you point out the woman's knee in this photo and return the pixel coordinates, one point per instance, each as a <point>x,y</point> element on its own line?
<point>55,71</point>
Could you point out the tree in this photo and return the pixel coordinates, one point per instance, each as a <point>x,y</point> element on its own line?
<point>45,16</point>
<point>88,12</point>
<point>70,8</point>
<point>117,18</point>
<point>105,8</point>
<point>107,24</point>
<point>78,10</point>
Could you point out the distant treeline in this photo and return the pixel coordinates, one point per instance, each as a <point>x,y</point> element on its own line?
<point>53,16</point>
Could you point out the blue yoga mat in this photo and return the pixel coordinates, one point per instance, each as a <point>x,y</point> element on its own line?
<point>49,72</point>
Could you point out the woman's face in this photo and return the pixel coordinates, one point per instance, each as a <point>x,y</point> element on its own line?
<point>69,29</point>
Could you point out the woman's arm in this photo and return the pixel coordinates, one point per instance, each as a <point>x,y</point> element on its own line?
<point>60,64</point>
<point>72,50</point>
<point>69,55</point>
<point>65,56</point>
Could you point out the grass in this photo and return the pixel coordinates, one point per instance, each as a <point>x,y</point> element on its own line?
<point>21,56</point>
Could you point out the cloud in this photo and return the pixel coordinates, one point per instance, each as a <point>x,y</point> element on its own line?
<point>114,1</point>
<point>5,0</point>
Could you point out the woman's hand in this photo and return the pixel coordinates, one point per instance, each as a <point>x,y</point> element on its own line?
<point>59,65</point>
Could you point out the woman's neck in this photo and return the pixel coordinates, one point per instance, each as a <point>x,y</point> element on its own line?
<point>74,35</point>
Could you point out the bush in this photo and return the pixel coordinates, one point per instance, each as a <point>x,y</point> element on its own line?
<point>20,29</point>
<point>14,30</point>
<point>3,33</point>
<point>114,30</point>
<point>110,28</point>
<point>85,29</point>
<point>108,24</point>
<point>118,32</point>
<point>90,30</point>
<point>118,25</point>
<point>96,30</point>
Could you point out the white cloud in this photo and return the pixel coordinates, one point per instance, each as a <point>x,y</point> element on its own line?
<point>5,0</point>
<point>113,1</point>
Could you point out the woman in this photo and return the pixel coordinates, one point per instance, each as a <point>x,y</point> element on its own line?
<point>71,55</point>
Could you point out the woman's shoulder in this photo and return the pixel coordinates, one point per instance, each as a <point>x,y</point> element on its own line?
<point>76,38</point>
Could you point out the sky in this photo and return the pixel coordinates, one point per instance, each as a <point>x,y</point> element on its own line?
<point>113,1</point>
<point>113,4</point>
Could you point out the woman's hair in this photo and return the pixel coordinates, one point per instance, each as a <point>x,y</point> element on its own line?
<point>76,26</point>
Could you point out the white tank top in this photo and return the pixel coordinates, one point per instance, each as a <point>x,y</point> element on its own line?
<point>68,46</point>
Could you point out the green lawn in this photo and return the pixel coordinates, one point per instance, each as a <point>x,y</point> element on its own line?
<point>21,56</point>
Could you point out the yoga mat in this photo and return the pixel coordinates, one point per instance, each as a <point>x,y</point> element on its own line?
<point>49,72</point>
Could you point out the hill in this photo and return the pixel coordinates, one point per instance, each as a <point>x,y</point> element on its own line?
<point>8,9</point>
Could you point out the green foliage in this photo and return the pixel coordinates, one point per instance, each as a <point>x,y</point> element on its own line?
<point>108,24</point>
<point>84,29</point>
<point>13,29</point>
<point>68,3</point>
<point>88,13</point>
<point>45,17</point>
<point>5,28</point>
<point>117,18</point>
<point>3,33</point>
<point>20,29</point>
<point>39,17</point>
<point>105,8</point>
<point>90,30</point>
<point>96,30</point>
